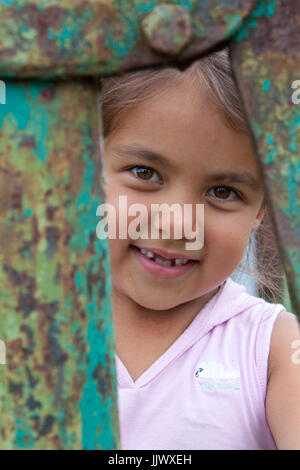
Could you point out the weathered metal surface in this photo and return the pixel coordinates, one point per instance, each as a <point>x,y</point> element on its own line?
<point>168,28</point>
<point>58,385</point>
<point>87,37</point>
<point>266,59</point>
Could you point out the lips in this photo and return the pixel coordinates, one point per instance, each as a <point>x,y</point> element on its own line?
<point>163,260</point>
<point>162,263</point>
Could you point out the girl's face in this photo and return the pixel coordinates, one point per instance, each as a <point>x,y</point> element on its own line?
<point>195,159</point>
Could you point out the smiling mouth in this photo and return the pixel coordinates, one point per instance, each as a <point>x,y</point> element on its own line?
<point>158,259</point>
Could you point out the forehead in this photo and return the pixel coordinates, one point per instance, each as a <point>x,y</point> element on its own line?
<point>165,102</point>
<point>184,124</point>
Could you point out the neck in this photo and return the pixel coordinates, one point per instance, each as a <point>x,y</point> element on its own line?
<point>143,335</point>
<point>129,315</point>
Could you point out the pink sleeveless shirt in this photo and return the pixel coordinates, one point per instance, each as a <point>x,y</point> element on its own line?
<point>207,391</point>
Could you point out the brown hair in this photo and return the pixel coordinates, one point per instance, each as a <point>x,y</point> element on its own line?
<point>214,74</point>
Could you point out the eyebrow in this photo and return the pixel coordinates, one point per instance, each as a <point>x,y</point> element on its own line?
<point>243,177</point>
<point>143,154</point>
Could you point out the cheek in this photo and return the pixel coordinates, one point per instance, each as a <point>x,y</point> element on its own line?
<point>131,211</point>
<point>226,233</point>
<point>117,250</point>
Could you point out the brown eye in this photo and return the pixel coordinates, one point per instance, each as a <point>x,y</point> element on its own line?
<point>222,191</point>
<point>225,193</point>
<point>146,174</point>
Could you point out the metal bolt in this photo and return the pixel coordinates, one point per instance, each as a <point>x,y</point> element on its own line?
<point>168,28</point>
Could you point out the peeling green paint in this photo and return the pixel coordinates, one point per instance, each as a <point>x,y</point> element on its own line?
<point>259,56</point>
<point>262,8</point>
<point>55,301</point>
<point>60,39</point>
<point>55,298</point>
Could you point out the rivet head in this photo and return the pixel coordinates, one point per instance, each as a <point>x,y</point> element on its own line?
<point>168,28</point>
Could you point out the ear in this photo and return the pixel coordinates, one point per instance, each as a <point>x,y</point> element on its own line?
<point>259,217</point>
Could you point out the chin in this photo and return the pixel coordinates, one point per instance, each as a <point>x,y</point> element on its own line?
<point>153,304</point>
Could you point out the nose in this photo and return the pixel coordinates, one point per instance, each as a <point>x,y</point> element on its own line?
<point>174,220</point>
<point>168,220</point>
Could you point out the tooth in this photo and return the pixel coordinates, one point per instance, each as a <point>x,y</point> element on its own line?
<point>147,253</point>
<point>179,262</point>
<point>167,263</point>
<point>164,262</point>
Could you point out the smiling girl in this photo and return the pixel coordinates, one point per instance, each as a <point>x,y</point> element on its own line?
<point>201,364</point>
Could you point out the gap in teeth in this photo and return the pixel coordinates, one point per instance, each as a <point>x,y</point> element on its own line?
<point>157,259</point>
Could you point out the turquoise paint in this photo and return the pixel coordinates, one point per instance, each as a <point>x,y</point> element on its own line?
<point>292,147</point>
<point>86,205</point>
<point>262,8</point>
<point>232,21</point>
<point>271,157</point>
<point>185,3</point>
<point>259,9</point>
<point>36,87</point>
<point>123,47</point>
<point>23,440</point>
<point>271,7</point>
<point>86,16</point>
<point>293,203</point>
<point>84,197</point>
<point>97,426</point>
<point>93,410</point>
<point>266,85</point>
<point>7,3</point>
<point>16,105</point>
<point>251,23</point>
<point>241,34</point>
<point>145,8</point>
<point>293,177</point>
<point>79,280</point>
<point>28,212</point>
<point>256,128</point>
<point>65,33</point>
<point>272,154</point>
<point>39,122</point>
<point>293,129</point>
<point>269,139</point>
<point>22,107</point>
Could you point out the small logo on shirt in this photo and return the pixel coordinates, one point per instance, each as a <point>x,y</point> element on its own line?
<point>215,370</point>
<point>213,375</point>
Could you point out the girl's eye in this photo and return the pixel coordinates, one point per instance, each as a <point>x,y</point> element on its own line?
<point>145,173</point>
<point>225,193</point>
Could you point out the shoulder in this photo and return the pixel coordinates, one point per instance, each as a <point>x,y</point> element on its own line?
<point>283,390</point>
<point>285,341</point>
